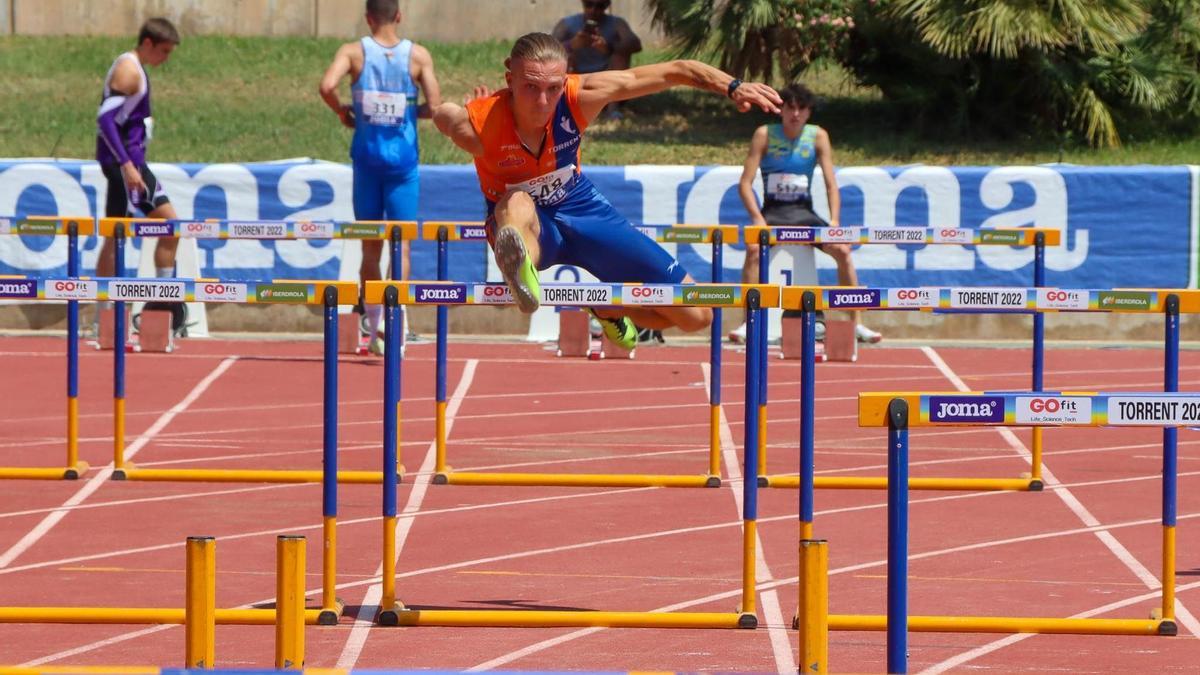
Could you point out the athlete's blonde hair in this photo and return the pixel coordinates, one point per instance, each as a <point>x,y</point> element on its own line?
<point>540,47</point>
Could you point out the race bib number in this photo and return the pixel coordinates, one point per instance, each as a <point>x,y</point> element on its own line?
<point>384,109</point>
<point>787,187</point>
<point>549,188</point>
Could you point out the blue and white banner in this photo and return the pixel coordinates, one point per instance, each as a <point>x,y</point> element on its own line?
<point>1122,226</point>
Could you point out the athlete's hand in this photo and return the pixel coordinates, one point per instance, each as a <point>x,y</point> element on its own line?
<point>133,179</point>
<point>750,94</point>
<point>346,115</point>
<point>481,91</point>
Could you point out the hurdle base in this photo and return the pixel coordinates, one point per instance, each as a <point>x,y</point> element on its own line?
<point>574,480</point>
<point>574,334</point>
<point>532,618</point>
<point>43,473</point>
<point>74,472</point>
<point>391,616</point>
<point>329,616</point>
<point>349,336</point>
<point>880,483</point>
<point>713,482</point>
<point>1168,629</point>
<point>105,321</point>
<point>131,472</point>
<point>1006,624</point>
<point>841,344</point>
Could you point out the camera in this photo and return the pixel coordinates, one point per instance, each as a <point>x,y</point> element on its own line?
<point>591,26</point>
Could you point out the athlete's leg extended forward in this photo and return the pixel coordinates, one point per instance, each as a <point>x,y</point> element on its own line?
<point>515,243</point>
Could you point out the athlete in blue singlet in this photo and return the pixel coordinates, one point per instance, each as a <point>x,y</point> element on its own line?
<point>542,209</point>
<point>788,154</point>
<point>123,129</point>
<point>387,75</point>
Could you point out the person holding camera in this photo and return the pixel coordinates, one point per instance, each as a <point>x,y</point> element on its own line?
<point>596,40</point>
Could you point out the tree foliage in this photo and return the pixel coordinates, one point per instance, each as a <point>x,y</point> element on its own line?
<point>1088,68</point>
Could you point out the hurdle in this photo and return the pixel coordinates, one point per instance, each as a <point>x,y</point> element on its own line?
<point>1038,238</point>
<point>393,294</point>
<point>25,288</point>
<point>454,293</point>
<point>199,613</point>
<point>392,231</point>
<point>444,232</point>
<point>899,411</point>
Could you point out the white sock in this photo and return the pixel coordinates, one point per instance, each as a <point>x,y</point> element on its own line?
<point>164,272</point>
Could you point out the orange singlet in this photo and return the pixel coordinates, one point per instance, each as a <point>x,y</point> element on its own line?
<point>506,164</point>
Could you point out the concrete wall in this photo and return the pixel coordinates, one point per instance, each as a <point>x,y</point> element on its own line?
<point>434,20</point>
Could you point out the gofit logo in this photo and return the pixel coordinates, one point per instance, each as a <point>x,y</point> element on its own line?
<point>862,298</point>
<point>18,289</point>
<point>1054,298</point>
<point>1114,300</point>
<point>684,234</point>
<point>646,295</point>
<point>795,234</point>
<point>956,235</point>
<point>1053,410</point>
<point>296,293</point>
<point>472,233</point>
<point>360,231</point>
<point>210,292</point>
<point>492,294</point>
<point>200,230</point>
<point>314,230</point>
<point>37,227</point>
<point>455,293</point>
<point>966,409</point>
<point>910,297</point>
<point>712,295</point>
<point>71,289</point>
<point>839,234</point>
<point>999,237</point>
<point>154,229</point>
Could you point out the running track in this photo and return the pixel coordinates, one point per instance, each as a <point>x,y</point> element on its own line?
<point>1088,546</point>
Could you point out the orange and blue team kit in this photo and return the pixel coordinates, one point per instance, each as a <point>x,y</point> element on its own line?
<point>578,224</point>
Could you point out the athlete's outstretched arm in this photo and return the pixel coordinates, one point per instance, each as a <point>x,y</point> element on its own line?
<point>451,119</point>
<point>600,89</point>
<point>339,68</point>
<point>428,81</point>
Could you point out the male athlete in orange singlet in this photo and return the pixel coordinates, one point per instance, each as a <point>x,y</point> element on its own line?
<point>542,210</point>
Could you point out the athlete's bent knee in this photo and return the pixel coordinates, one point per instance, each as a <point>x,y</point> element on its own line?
<point>694,319</point>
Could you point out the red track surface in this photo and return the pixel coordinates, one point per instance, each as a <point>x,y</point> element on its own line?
<point>1016,554</point>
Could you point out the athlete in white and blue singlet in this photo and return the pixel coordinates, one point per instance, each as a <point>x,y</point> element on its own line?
<point>788,154</point>
<point>387,75</point>
<point>123,128</point>
<point>542,209</point>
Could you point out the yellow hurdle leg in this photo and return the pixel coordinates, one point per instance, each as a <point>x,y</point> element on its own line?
<point>749,537</point>
<point>389,564</point>
<point>118,433</point>
<point>1035,459</point>
<point>329,565</point>
<point>440,437</point>
<point>200,609</point>
<point>289,602</point>
<point>814,606</point>
<point>806,530</point>
<point>714,440</point>
<point>1168,573</point>
<point>762,440</point>
<point>72,432</point>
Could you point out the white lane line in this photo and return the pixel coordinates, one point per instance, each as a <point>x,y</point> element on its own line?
<point>42,528</point>
<point>1118,549</point>
<point>357,639</point>
<point>785,662</point>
